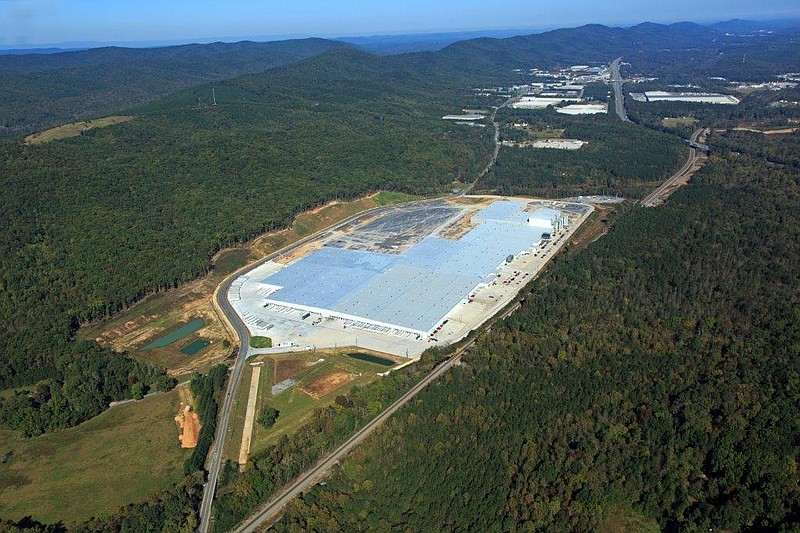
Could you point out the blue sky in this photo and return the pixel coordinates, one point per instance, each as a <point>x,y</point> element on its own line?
<point>26,22</point>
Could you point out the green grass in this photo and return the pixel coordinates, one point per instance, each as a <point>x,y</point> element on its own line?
<point>122,456</point>
<point>231,260</point>
<point>678,122</point>
<point>389,198</point>
<point>295,406</point>
<point>74,129</point>
<point>260,342</point>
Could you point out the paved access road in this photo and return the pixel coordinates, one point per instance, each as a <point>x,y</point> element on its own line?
<point>680,177</point>
<point>221,301</point>
<point>493,160</point>
<point>619,95</point>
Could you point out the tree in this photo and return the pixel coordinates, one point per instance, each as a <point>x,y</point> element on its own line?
<point>268,416</point>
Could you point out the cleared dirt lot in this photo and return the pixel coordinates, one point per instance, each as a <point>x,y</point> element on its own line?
<point>327,383</point>
<point>286,368</point>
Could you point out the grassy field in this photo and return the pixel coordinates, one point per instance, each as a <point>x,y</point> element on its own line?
<point>74,129</point>
<point>260,342</point>
<point>124,455</point>
<point>391,198</point>
<point>297,403</point>
<point>678,122</point>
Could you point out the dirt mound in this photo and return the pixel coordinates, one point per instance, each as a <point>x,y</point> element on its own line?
<point>286,368</point>
<point>188,426</point>
<point>327,383</point>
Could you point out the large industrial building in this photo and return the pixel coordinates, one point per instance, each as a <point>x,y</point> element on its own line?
<point>410,289</point>
<point>701,98</point>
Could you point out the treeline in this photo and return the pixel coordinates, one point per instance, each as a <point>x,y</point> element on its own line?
<point>92,224</point>
<point>649,382</point>
<point>173,510</point>
<point>207,390</point>
<point>620,159</point>
<point>86,381</point>
<point>780,149</point>
<point>240,493</point>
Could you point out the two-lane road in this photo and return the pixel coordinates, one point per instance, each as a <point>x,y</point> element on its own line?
<point>680,177</point>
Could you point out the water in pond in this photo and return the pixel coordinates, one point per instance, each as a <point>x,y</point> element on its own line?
<point>371,358</point>
<point>176,334</point>
<point>195,346</point>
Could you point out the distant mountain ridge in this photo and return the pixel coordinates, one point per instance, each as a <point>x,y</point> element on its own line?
<point>44,90</point>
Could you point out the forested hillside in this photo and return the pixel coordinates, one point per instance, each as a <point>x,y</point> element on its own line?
<point>93,223</point>
<point>649,382</point>
<point>44,90</point>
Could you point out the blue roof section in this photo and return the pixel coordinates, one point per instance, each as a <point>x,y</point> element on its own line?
<point>503,212</point>
<point>325,276</point>
<point>413,290</point>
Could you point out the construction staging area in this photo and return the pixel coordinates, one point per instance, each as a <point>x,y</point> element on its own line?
<point>414,276</point>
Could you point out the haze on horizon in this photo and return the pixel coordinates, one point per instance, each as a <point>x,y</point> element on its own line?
<point>28,22</point>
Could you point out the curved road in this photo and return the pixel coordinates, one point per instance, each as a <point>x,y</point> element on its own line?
<point>685,171</point>
<point>221,300</point>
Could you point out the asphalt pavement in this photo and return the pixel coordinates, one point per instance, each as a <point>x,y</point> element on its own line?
<point>619,95</point>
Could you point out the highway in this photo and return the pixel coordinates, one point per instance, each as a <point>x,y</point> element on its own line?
<point>619,96</point>
<point>679,178</point>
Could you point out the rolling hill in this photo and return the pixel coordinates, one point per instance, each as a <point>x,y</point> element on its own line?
<point>43,90</point>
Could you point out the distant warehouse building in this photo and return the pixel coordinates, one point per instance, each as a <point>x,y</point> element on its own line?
<point>700,98</point>
<point>469,117</point>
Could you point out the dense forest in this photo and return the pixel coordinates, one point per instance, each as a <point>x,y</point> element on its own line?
<point>87,379</point>
<point>620,159</point>
<point>649,382</point>
<point>93,223</point>
<point>44,90</point>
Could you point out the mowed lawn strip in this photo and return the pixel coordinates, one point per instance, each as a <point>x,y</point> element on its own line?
<point>122,456</point>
